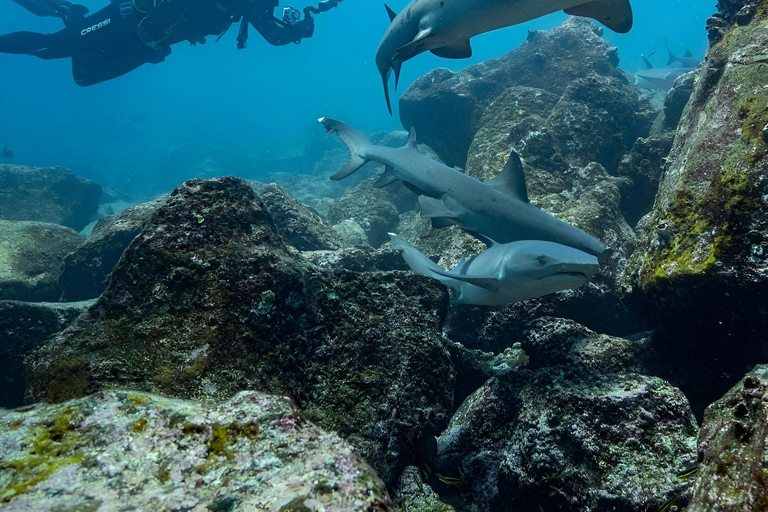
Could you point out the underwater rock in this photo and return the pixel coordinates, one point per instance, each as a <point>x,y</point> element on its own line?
<point>85,271</point>
<point>351,233</point>
<point>414,495</point>
<point>644,165</point>
<point>300,226</point>
<point>576,429</point>
<point>30,259</point>
<point>47,194</point>
<point>732,451</point>
<point>700,273</point>
<point>674,104</point>
<point>362,258</point>
<point>208,301</point>
<point>25,326</point>
<point>445,107</point>
<point>371,207</point>
<point>123,451</point>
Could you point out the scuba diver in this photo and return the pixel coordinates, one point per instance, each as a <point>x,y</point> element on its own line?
<point>128,33</point>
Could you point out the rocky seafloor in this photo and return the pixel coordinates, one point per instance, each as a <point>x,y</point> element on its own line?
<point>241,346</point>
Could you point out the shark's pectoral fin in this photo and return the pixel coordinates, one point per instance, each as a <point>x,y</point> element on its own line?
<point>511,180</point>
<point>387,178</point>
<point>420,44</point>
<point>461,50</point>
<point>490,282</point>
<point>614,14</point>
<point>438,212</point>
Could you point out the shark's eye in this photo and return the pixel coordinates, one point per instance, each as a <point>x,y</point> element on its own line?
<point>542,260</point>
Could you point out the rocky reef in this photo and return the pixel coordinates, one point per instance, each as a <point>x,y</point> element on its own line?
<point>704,245</point>
<point>208,301</point>
<point>54,195</point>
<point>126,451</point>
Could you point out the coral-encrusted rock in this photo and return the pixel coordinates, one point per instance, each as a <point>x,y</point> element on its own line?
<point>208,301</point>
<point>445,107</point>
<point>732,450</point>
<point>126,451</point>
<point>54,195</point>
<point>644,165</point>
<point>674,104</point>
<point>577,430</point>
<point>300,226</point>
<point>30,259</point>
<point>372,208</point>
<point>414,495</point>
<point>84,271</point>
<point>700,273</point>
<point>24,326</point>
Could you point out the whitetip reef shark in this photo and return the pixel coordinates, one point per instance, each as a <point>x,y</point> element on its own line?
<point>506,273</point>
<point>444,27</point>
<point>499,209</point>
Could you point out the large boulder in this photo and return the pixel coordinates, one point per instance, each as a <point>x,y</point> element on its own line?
<point>208,301</point>
<point>700,273</point>
<point>732,450</point>
<point>300,226</point>
<point>372,208</point>
<point>576,429</point>
<point>47,194</point>
<point>85,271</point>
<point>446,107</point>
<point>31,254</point>
<point>24,327</point>
<point>135,451</point>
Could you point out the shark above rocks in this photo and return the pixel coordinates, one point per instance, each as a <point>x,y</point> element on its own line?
<point>498,210</point>
<point>444,27</point>
<point>507,273</point>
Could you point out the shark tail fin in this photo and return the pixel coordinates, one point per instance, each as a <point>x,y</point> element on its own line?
<point>420,263</point>
<point>356,142</point>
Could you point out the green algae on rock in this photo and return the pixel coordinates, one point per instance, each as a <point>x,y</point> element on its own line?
<point>208,301</point>
<point>705,243</point>
<point>125,451</point>
<point>30,258</point>
<point>732,474</point>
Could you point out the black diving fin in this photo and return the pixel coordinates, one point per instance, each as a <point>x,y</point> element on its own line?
<point>63,9</point>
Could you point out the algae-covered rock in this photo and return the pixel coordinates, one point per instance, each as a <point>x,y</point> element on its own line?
<point>300,226</point>
<point>25,326</point>
<point>31,254</point>
<point>445,107</point>
<point>414,495</point>
<point>126,451</point>
<point>50,194</point>
<point>700,273</point>
<point>732,474</point>
<point>372,208</point>
<point>576,429</point>
<point>208,301</point>
<point>85,270</point>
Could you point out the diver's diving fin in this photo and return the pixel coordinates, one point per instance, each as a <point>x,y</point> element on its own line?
<point>63,9</point>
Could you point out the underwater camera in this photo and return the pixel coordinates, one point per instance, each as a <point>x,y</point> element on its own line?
<point>291,15</point>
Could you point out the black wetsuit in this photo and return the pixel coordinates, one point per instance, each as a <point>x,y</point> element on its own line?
<point>124,35</point>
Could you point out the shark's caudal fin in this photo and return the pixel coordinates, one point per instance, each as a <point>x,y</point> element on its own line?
<point>614,14</point>
<point>356,142</point>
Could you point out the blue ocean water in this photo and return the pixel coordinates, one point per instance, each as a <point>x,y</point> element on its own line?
<point>259,103</point>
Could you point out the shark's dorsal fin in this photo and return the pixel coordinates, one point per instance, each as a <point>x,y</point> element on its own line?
<point>392,14</point>
<point>490,282</point>
<point>688,53</point>
<point>411,138</point>
<point>511,181</point>
<point>648,64</point>
<point>614,14</point>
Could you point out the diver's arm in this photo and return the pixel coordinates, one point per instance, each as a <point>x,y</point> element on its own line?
<point>278,33</point>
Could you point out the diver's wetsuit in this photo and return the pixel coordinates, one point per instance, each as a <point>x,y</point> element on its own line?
<point>123,36</point>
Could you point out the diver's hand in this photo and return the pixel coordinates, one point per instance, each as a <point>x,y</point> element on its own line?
<point>303,29</point>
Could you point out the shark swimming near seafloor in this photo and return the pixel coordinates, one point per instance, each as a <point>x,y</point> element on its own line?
<point>444,27</point>
<point>499,209</point>
<point>507,273</point>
